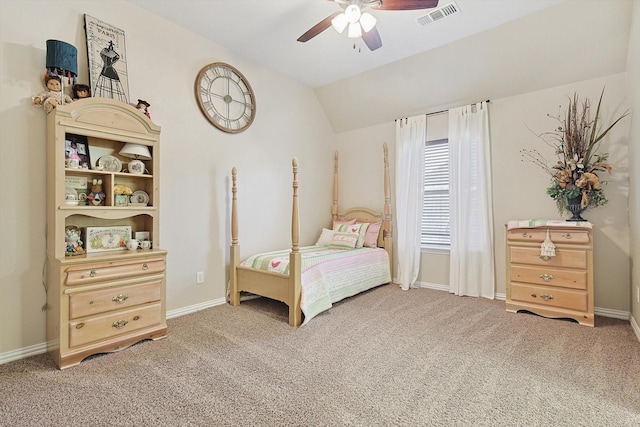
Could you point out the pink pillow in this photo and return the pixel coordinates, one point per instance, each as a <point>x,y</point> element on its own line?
<point>371,238</point>
<point>339,222</point>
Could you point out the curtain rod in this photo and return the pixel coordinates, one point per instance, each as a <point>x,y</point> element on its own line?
<point>439,112</point>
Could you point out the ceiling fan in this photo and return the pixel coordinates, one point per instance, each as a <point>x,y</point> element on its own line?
<point>362,24</point>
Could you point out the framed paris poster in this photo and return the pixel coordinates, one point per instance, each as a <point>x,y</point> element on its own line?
<point>107,60</point>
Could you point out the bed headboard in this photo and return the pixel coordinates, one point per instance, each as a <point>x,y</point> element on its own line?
<point>365,215</point>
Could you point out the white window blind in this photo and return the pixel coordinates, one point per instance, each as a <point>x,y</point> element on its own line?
<point>435,210</point>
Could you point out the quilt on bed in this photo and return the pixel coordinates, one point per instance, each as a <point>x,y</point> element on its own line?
<point>328,275</point>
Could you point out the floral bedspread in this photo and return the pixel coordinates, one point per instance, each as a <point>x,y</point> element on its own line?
<point>328,275</point>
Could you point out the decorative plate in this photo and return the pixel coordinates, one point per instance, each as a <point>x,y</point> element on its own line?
<point>110,163</point>
<point>140,197</point>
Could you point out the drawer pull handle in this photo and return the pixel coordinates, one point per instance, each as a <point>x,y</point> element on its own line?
<point>525,234</point>
<point>120,324</point>
<point>80,326</point>
<point>546,277</point>
<point>567,235</point>
<point>119,299</point>
<point>145,266</point>
<point>546,297</point>
<point>92,273</point>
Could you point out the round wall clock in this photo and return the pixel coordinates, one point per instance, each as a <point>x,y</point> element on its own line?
<point>225,97</point>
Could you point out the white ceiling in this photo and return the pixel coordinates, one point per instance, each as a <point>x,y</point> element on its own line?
<point>265,31</point>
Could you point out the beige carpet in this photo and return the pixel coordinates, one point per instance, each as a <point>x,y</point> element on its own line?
<point>383,358</point>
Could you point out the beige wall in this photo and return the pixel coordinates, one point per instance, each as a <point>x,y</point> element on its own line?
<point>196,158</point>
<point>633,71</point>
<point>519,187</point>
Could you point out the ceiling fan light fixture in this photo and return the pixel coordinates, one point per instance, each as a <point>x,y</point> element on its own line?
<point>352,12</point>
<point>339,23</point>
<point>355,30</point>
<point>368,21</point>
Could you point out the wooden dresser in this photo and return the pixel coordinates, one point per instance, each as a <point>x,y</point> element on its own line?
<point>558,287</point>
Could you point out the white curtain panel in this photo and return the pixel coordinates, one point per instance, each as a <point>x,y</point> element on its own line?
<point>410,137</point>
<point>472,269</point>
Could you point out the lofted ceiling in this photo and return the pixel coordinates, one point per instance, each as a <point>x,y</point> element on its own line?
<point>265,31</point>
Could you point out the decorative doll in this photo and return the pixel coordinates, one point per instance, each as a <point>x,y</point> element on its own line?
<point>81,91</point>
<point>73,244</point>
<point>51,98</point>
<point>144,107</point>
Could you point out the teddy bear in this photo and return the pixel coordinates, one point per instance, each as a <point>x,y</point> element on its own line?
<point>97,195</point>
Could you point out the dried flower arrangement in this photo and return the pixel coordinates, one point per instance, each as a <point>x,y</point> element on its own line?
<point>576,141</point>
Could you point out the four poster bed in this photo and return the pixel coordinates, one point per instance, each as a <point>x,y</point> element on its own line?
<point>354,256</point>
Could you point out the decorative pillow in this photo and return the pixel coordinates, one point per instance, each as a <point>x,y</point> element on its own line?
<point>325,237</point>
<point>339,222</point>
<point>343,240</point>
<point>360,229</point>
<point>371,238</point>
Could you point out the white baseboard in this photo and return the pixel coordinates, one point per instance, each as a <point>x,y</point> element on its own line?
<point>196,307</point>
<point>604,312</point>
<point>41,348</point>
<point>635,327</point>
<point>445,288</point>
<point>23,352</point>
<point>615,314</point>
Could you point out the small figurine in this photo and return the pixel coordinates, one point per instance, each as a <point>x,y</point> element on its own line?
<point>97,195</point>
<point>73,244</point>
<point>53,96</point>
<point>81,91</point>
<point>144,107</point>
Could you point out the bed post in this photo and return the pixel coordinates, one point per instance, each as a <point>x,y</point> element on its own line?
<point>334,206</point>
<point>387,234</point>
<point>234,254</point>
<point>295,264</point>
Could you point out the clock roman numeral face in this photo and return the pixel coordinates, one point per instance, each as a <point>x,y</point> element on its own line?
<point>225,97</point>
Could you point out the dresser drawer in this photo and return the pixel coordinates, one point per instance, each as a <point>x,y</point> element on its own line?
<point>551,297</point>
<point>573,279</point>
<point>564,257</point>
<point>538,235</point>
<point>111,324</point>
<point>89,303</point>
<point>92,273</point>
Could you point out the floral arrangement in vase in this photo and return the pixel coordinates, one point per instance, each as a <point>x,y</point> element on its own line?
<point>575,184</point>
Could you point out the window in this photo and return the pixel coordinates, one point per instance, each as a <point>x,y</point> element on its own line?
<point>435,202</point>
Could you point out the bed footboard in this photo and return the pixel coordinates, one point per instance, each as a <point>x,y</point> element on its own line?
<point>281,287</point>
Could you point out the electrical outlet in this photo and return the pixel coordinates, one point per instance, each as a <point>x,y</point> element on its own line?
<point>200,277</point>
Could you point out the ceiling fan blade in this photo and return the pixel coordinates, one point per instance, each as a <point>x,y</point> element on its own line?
<point>406,4</point>
<point>372,39</point>
<point>318,28</point>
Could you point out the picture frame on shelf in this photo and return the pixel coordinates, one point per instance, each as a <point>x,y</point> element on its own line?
<point>141,235</point>
<point>76,151</point>
<point>104,239</point>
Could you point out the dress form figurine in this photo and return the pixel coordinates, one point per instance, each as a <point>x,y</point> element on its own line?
<point>108,84</point>
<point>53,96</point>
